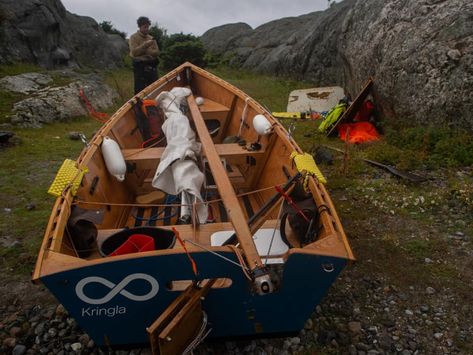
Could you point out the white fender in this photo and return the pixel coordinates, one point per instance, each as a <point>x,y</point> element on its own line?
<point>113,158</point>
<point>261,125</point>
<point>199,101</point>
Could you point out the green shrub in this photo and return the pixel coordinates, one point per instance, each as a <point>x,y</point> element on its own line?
<point>434,146</point>
<point>107,27</point>
<point>178,52</point>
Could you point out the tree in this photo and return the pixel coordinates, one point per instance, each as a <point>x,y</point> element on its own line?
<point>107,27</point>
<point>159,34</point>
<point>179,48</point>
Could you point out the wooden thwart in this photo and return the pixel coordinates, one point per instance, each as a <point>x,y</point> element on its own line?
<point>180,323</point>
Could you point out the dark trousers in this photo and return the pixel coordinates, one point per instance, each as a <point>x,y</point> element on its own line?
<point>145,73</point>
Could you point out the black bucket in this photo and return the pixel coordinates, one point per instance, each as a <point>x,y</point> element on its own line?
<point>163,238</point>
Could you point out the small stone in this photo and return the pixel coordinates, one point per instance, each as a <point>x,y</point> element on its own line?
<point>424,308</point>
<point>30,206</point>
<point>40,329</point>
<point>60,311</point>
<point>19,350</point>
<point>52,332</point>
<point>76,346</point>
<point>454,54</point>
<point>362,346</point>
<point>438,336</point>
<point>15,331</point>
<point>309,324</point>
<point>9,342</point>
<point>75,136</point>
<point>84,339</point>
<point>430,290</point>
<point>408,312</point>
<point>428,261</point>
<point>354,327</point>
<point>90,344</point>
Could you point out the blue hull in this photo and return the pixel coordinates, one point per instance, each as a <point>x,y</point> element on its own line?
<point>115,301</point>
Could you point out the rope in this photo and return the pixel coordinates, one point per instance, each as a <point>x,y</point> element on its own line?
<point>200,335</point>
<point>98,116</point>
<point>274,233</point>
<point>243,116</point>
<point>194,265</point>
<point>242,262</point>
<point>241,265</point>
<point>79,201</point>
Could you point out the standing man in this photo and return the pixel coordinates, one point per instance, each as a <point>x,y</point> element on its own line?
<point>144,50</point>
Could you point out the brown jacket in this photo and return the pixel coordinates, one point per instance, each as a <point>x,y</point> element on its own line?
<point>141,50</point>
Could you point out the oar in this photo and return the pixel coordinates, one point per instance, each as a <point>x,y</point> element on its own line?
<point>272,201</point>
<point>402,174</point>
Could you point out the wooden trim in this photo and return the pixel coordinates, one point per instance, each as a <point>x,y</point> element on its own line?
<point>148,158</point>
<point>225,188</point>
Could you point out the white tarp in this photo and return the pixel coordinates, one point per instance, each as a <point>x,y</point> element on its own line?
<point>177,171</point>
<point>315,99</point>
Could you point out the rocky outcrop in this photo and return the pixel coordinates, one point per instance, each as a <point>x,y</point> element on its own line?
<point>44,33</point>
<point>419,52</point>
<point>46,104</point>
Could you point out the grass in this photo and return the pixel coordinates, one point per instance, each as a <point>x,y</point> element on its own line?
<point>18,68</point>
<point>7,101</point>
<point>270,91</point>
<point>26,171</point>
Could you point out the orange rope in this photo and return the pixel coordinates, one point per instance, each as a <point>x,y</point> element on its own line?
<point>194,265</point>
<point>98,116</point>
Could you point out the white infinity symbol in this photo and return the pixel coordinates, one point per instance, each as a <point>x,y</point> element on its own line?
<point>117,289</point>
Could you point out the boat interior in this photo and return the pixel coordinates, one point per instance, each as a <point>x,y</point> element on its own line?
<point>242,170</point>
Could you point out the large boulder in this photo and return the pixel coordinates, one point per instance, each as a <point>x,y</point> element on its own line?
<point>223,38</point>
<point>46,103</point>
<point>44,33</point>
<point>420,54</point>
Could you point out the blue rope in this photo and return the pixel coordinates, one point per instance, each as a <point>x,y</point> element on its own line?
<point>169,200</point>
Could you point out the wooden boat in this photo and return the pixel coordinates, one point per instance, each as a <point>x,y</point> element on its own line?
<point>216,276</point>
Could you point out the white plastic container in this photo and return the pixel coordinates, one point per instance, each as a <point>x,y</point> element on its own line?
<point>113,158</point>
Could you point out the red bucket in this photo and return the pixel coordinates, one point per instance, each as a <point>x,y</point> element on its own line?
<point>135,244</point>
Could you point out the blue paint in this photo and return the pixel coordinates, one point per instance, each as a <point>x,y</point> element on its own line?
<point>232,311</point>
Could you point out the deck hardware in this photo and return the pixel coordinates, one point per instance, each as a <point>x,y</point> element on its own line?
<point>83,139</point>
<point>328,267</point>
<point>263,284</point>
<point>291,129</point>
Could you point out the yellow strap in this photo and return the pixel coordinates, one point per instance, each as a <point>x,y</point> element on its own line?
<point>68,175</point>
<point>305,163</point>
<point>287,114</point>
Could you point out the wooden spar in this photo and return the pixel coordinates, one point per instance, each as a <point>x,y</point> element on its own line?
<point>225,188</point>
